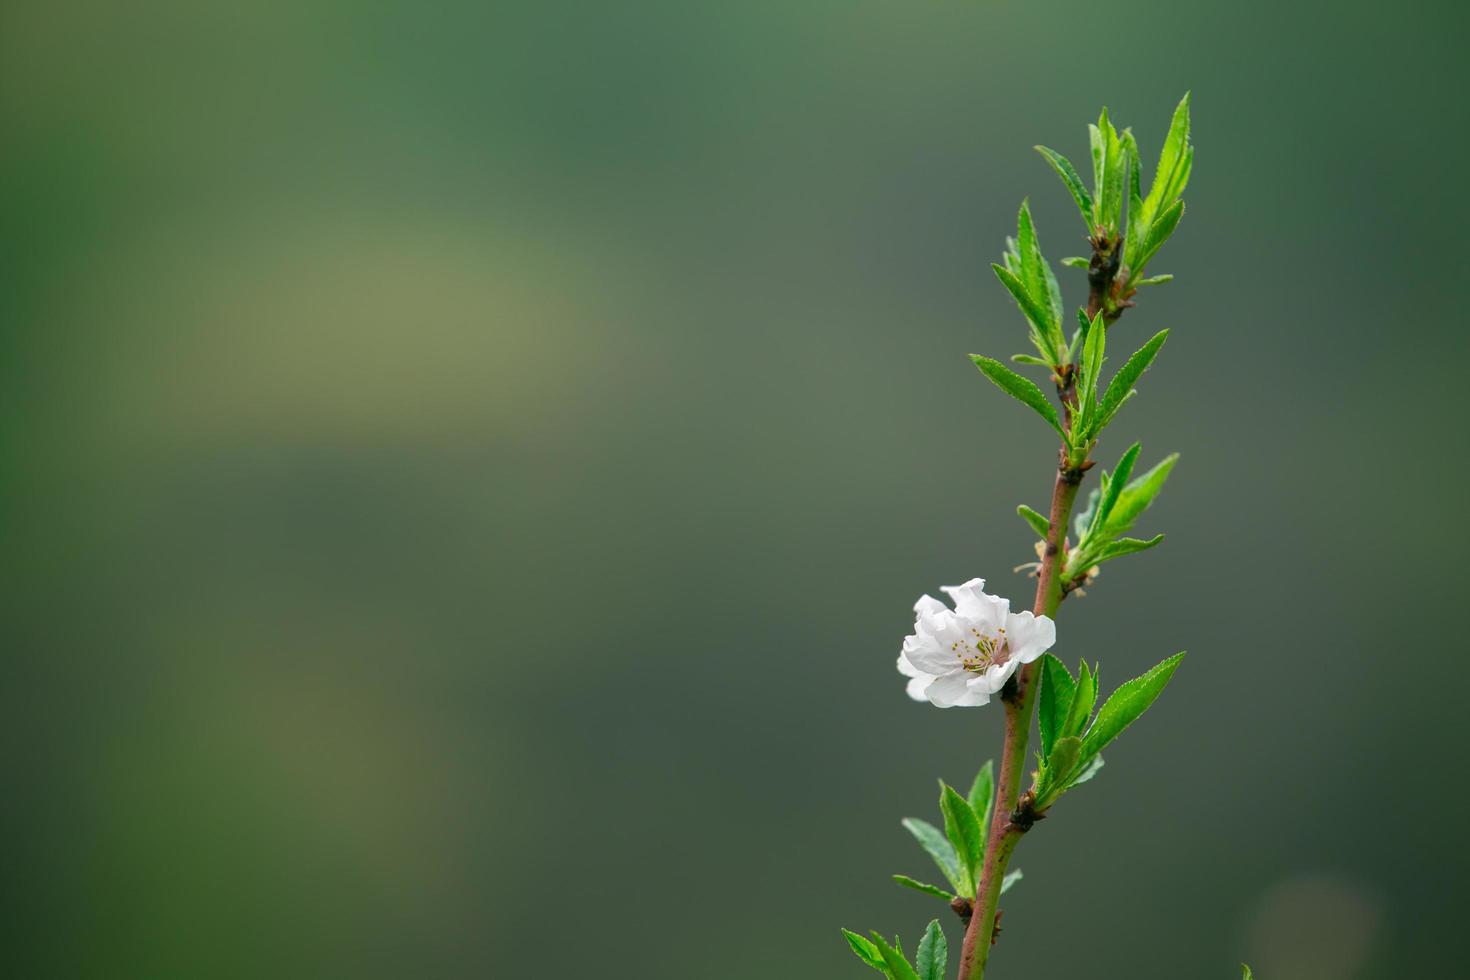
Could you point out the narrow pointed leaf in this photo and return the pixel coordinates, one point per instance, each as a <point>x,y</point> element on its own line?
<point>1010,879</point>
<point>1094,345</point>
<point>1054,294</point>
<point>1171,159</point>
<point>1078,336</point>
<point>893,960</point>
<point>1158,234</point>
<point>1072,179</point>
<point>1099,153</point>
<point>1181,176</point>
<point>864,949</point>
<point>1011,257</point>
<point>932,958</point>
<point>1126,546</point>
<point>1087,772</point>
<point>938,847</point>
<point>1138,221</point>
<point>1083,520</point>
<point>1028,359</point>
<point>1137,496</point>
<point>1059,767</point>
<point>962,828</point>
<point>1057,688</point>
<point>1038,522</point>
<point>920,886</point>
<point>1113,488</point>
<point>1153,280</point>
<point>1126,704</point>
<point>1082,701</point>
<point>1114,163</point>
<point>1127,377</point>
<point>1022,389</point>
<point>1075,262</point>
<point>981,792</point>
<point>1030,250</point>
<point>1031,309</point>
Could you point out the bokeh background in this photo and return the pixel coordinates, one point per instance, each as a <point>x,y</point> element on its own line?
<point>467,468</point>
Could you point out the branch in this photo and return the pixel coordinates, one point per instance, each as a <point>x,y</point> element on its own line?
<point>1102,276</point>
<point>1019,696</point>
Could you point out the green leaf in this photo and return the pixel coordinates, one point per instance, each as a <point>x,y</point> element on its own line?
<point>1137,220</point>
<point>1125,546</point>
<point>1114,163</point>
<point>1094,343</point>
<point>1011,257</point>
<point>1137,496</point>
<point>1076,262</point>
<point>1098,144</point>
<point>938,847</point>
<point>963,830</point>
<point>920,886</point>
<point>893,959</point>
<point>1044,330</point>
<point>1172,173</point>
<point>1126,704</point>
<point>1022,389</point>
<point>1093,346</point>
<point>1082,701</point>
<point>1054,294</point>
<point>1028,359</point>
<point>1059,766</point>
<point>864,949</point>
<point>1127,376</point>
<point>1031,262</point>
<point>1038,521</point>
<point>1245,972</point>
<point>1158,234</point>
<point>933,955</point>
<point>1071,355</point>
<point>1087,771</point>
<point>1181,175</point>
<point>1073,180</point>
<point>1152,280</point>
<point>981,792</point>
<point>1083,519</point>
<point>1010,879</point>
<point>1055,698</point>
<point>1112,488</point>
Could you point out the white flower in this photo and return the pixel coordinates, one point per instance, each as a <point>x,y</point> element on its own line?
<point>962,656</point>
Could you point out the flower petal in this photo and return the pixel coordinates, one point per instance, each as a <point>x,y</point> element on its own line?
<point>931,658</point>
<point>972,602</point>
<point>953,691</point>
<point>918,685</point>
<point>930,605</point>
<point>1029,636</point>
<point>994,677</point>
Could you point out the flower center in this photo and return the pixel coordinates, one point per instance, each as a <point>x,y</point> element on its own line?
<point>978,651</point>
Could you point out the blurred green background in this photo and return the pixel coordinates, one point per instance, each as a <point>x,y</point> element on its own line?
<point>467,468</point>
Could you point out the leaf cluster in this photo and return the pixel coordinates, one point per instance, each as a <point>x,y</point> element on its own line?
<point>1032,284</point>
<point>1072,739</point>
<point>1112,509</point>
<point>1096,405</point>
<point>959,850</point>
<point>1150,219</point>
<point>929,963</point>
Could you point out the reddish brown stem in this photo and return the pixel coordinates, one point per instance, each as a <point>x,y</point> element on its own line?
<point>1019,697</point>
